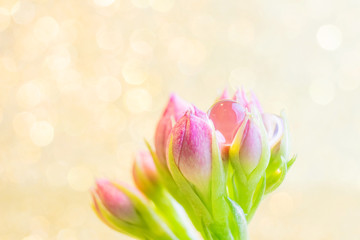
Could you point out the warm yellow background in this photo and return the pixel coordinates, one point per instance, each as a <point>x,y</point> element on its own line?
<point>83,82</point>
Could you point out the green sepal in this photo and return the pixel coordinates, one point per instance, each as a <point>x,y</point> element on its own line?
<point>169,183</point>
<point>278,177</point>
<point>218,183</point>
<point>238,220</point>
<point>147,213</point>
<point>245,185</point>
<point>174,215</point>
<point>279,163</point>
<point>138,231</point>
<point>260,169</point>
<point>187,190</point>
<point>257,197</point>
<point>234,153</point>
<point>291,162</point>
<point>206,232</point>
<point>165,176</point>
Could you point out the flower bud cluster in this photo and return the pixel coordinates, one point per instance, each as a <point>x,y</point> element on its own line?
<point>209,170</point>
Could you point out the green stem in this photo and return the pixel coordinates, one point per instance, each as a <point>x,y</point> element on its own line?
<point>174,215</point>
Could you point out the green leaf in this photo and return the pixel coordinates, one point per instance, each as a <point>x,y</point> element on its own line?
<point>239,228</point>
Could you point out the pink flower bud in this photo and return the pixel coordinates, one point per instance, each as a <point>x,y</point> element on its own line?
<point>275,130</point>
<point>225,95</point>
<point>174,110</point>
<point>240,97</point>
<point>227,116</point>
<point>144,172</point>
<point>115,201</point>
<point>191,148</point>
<point>250,147</point>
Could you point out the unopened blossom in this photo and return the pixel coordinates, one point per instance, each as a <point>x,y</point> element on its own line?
<point>116,201</point>
<point>191,148</point>
<point>174,110</point>
<point>144,172</point>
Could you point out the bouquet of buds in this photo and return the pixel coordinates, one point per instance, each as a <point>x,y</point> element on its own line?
<point>207,174</point>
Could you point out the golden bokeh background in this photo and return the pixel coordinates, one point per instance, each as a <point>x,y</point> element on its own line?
<point>83,82</point>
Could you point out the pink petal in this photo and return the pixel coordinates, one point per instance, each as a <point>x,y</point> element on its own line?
<point>144,171</point>
<point>174,110</point>
<point>275,129</point>
<point>225,95</point>
<point>251,147</point>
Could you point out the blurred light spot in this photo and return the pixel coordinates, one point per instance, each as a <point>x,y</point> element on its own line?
<point>109,38</point>
<point>242,32</point>
<point>104,3</point>
<point>204,27</point>
<point>162,5</point>
<point>9,63</point>
<point>349,71</point>
<point>76,120</point>
<point>322,91</point>
<point>142,41</point>
<point>69,80</point>
<point>56,174</point>
<point>242,77</point>
<point>75,215</point>
<point>46,29</point>
<point>349,81</point>
<point>23,12</point>
<point>33,237</point>
<point>42,133</point>
<point>30,48</point>
<point>29,95</point>
<point>108,89</point>
<point>155,84</point>
<point>138,100</point>
<point>5,19</point>
<point>39,225</point>
<point>134,72</point>
<point>69,30</point>
<point>191,52</point>
<point>281,204</point>
<point>23,122</point>
<point>66,234</point>
<point>140,3</point>
<point>329,37</point>
<point>80,178</point>
<point>112,119</point>
<point>321,9</point>
<point>59,58</point>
